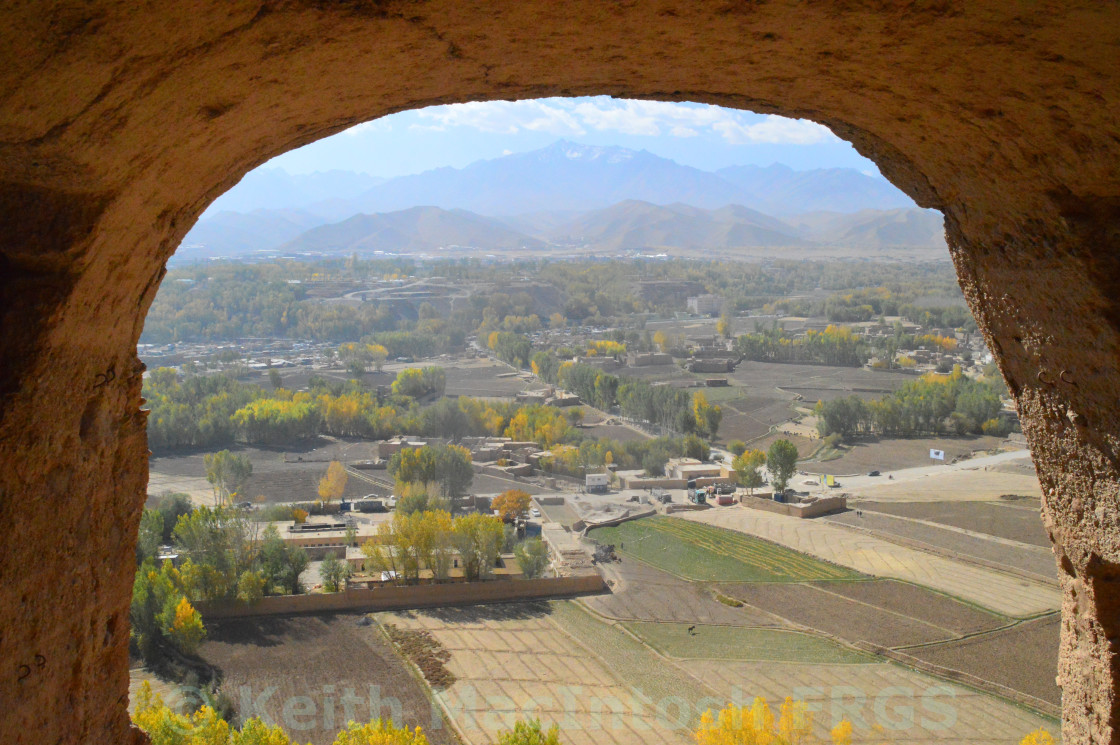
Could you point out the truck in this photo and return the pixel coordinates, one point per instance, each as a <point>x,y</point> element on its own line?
<point>698,496</point>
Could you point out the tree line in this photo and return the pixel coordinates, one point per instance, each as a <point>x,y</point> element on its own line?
<point>209,411</point>
<point>673,408</point>
<point>933,404</point>
<point>836,345</point>
<point>228,558</point>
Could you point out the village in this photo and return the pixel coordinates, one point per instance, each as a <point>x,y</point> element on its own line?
<point>907,562</point>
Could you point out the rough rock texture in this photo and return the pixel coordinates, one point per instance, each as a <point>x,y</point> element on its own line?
<point>119,122</point>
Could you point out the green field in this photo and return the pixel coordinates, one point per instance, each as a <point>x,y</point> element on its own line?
<point>709,554</point>
<point>741,643</point>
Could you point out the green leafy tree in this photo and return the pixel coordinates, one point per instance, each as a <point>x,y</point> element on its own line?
<point>448,465</point>
<point>695,447</point>
<point>532,556</point>
<point>227,473</point>
<point>150,537</point>
<point>297,563</point>
<point>416,382</point>
<point>333,572</point>
<point>222,544</point>
<point>478,539</point>
<point>155,595</point>
<point>250,586</point>
<point>173,506</point>
<point>781,460</point>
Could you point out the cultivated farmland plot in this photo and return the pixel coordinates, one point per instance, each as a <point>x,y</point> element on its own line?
<point>709,554</point>
<point>644,593</point>
<point>887,623</point>
<point>601,684</point>
<point>310,674</point>
<point>1020,557</point>
<point>1020,657</point>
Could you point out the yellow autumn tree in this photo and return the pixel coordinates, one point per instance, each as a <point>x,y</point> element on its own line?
<point>377,354</point>
<point>164,726</point>
<point>1038,737</point>
<point>380,732</point>
<point>723,326</point>
<point>842,733</point>
<point>755,725</point>
<point>333,484</point>
<point>511,504</point>
<point>181,624</point>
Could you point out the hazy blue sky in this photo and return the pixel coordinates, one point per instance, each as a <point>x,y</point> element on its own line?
<point>707,137</point>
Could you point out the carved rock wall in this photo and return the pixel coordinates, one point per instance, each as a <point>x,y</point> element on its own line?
<point>120,122</point>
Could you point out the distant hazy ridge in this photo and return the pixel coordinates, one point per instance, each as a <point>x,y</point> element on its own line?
<point>603,198</point>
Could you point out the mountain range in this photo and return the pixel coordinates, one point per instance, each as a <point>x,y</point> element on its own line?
<point>567,194</point>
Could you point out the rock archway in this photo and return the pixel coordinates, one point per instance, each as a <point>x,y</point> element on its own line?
<point>119,122</point>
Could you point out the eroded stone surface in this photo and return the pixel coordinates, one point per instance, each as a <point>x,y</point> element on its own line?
<point>120,122</point>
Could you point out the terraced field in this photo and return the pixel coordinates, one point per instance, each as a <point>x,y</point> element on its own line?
<point>739,643</point>
<point>709,554</point>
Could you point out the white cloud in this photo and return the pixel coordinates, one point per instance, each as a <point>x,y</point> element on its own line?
<point>773,129</point>
<point>505,117</point>
<point>374,125</point>
<point>564,117</point>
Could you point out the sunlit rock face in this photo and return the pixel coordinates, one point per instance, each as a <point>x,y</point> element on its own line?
<point>120,122</point>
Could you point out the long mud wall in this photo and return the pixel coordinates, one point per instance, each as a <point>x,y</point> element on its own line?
<point>405,598</point>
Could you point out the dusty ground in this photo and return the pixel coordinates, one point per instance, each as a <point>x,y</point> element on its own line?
<point>892,454</point>
<point>925,605</point>
<point>286,474</point>
<point>954,485</point>
<point>311,674</point>
<point>268,459</point>
<point>615,432</point>
<point>968,542</point>
<point>480,379</point>
<point>812,383</point>
<point>1023,657</point>
<point>752,415</point>
<point>1011,520</point>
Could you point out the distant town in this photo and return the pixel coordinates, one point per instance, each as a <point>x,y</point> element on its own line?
<point>638,465</point>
